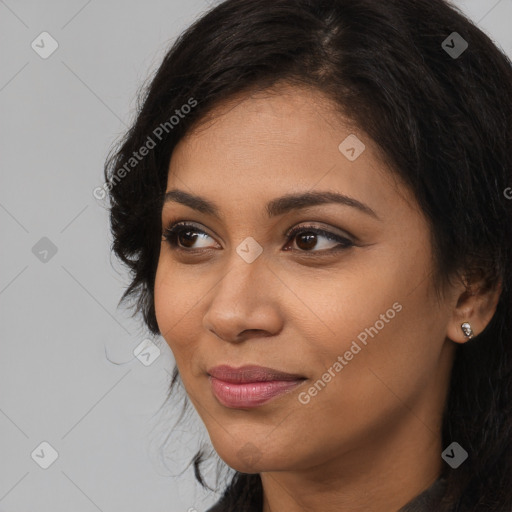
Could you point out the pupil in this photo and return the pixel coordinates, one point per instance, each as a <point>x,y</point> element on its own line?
<point>191,238</point>
<point>310,240</point>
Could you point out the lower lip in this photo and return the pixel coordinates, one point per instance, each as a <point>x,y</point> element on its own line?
<point>250,394</point>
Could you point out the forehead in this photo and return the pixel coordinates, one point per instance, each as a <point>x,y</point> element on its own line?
<point>278,118</point>
<point>282,140</point>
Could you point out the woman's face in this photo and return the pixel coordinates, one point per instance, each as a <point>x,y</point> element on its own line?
<point>352,312</point>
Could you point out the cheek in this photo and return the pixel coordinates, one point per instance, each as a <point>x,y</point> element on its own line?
<point>383,357</point>
<point>165,303</point>
<point>174,303</point>
<point>380,322</point>
<point>350,307</point>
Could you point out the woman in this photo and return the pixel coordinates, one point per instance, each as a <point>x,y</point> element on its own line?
<point>312,203</point>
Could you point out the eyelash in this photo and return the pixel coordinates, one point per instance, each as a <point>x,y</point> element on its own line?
<point>171,233</point>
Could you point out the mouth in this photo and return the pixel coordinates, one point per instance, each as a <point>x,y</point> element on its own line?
<point>250,386</point>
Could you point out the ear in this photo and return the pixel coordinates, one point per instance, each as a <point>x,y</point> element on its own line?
<point>476,304</point>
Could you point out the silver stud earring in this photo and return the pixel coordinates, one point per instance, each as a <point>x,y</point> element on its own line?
<point>466,329</point>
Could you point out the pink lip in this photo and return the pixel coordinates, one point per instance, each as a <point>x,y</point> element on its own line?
<point>250,386</point>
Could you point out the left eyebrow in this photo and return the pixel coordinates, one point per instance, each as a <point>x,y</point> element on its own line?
<point>279,206</point>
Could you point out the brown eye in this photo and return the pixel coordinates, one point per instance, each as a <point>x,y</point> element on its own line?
<point>184,236</point>
<point>307,238</point>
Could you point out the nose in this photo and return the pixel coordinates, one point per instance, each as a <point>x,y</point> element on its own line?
<point>245,303</point>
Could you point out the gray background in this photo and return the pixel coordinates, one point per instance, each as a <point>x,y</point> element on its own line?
<point>58,312</point>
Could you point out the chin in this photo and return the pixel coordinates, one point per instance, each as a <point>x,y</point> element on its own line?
<point>249,458</point>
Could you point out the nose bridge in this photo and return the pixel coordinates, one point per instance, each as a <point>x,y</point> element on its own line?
<point>241,301</point>
<point>242,276</point>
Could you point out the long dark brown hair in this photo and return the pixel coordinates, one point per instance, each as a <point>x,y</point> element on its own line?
<point>443,122</point>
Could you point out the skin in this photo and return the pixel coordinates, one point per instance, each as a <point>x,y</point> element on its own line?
<point>371,438</point>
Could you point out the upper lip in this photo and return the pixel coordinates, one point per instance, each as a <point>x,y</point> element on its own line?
<point>250,373</point>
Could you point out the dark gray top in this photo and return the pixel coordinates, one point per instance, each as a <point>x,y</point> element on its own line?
<point>427,500</point>
<point>424,502</point>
